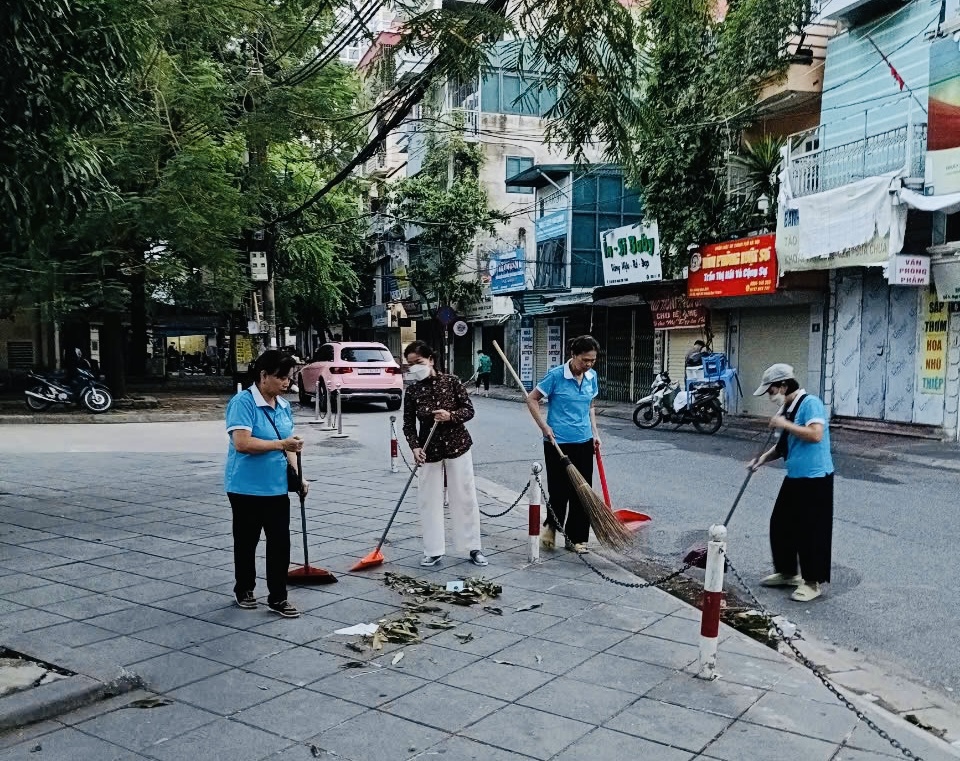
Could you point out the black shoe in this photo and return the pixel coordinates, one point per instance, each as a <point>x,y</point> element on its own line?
<point>477,558</point>
<point>284,608</point>
<point>246,600</point>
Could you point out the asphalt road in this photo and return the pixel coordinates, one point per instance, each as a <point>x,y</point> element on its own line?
<point>895,529</point>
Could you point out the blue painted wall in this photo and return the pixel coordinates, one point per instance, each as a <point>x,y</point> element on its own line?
<point>860,96</point>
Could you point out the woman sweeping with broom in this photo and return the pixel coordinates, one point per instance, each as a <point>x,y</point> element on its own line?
<point>571,423</point>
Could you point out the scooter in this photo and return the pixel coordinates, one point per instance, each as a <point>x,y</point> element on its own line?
<point>667,403</point>
<point>85,389</point>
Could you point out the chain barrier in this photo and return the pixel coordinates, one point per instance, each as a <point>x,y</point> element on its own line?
<point>516,502</point>
<point>811,666</point>
<point>583,558</point>
<point>393,430</point>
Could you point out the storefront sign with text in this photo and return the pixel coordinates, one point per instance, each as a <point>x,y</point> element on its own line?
<point>677,312</point>
<point>744,267</point>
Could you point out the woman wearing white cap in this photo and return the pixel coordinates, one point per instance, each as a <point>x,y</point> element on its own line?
<point>801,525</point>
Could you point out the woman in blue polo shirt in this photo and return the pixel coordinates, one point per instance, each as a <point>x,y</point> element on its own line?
<point>571,422</point>
<point>260,427</point>
<point>801,525</point>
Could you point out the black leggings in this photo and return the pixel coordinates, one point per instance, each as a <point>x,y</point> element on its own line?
<point>251,515</point>
<point>801,528</point>
<point>564,503</point>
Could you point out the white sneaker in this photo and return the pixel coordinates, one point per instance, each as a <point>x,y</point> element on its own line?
<point>779,580</point>
<point>548,538</point>
<point>806,592</point>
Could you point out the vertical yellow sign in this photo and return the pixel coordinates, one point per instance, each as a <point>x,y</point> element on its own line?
<point>933,357</point>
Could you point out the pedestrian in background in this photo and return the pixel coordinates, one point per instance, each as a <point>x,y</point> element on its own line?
<point>435,396</point>
<point>262,445</point>
<point>801,525</point>
<point>571,422</point>
<point>484,366</point>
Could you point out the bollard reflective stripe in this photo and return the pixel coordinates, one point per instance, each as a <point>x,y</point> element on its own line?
<point>710,620</point>
<point>533,514</point>
<point>712,603</point>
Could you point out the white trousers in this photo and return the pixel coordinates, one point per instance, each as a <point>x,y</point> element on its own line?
<point>464,508</point>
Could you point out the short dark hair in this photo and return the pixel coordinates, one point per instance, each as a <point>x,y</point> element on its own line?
<point>479,351</point>
<point>583,344</point>
<point>420,348</point>
<point>273,362</point>
<point>698,342</point>
<point>791,384</point>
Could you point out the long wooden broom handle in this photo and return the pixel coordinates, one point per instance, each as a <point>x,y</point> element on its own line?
<point>523,390</point>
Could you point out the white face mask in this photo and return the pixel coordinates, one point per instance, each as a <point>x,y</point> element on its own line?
<point>778,399</point>
<point>417,373</point>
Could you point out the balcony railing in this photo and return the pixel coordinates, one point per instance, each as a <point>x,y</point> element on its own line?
<point>470,118</point>
<point>815,170</point>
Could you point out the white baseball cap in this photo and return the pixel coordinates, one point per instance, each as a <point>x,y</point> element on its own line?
<point>774,374</point>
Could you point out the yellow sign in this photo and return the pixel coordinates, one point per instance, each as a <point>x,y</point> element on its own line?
<point>244,351</point>
<point>933,358</point>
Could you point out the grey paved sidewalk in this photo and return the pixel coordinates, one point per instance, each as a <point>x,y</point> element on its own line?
<point>127,557</point>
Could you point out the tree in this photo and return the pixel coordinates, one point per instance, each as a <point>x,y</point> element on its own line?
<point>759,163</point>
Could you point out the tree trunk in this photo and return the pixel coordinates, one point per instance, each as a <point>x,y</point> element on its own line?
<point>112,354</point>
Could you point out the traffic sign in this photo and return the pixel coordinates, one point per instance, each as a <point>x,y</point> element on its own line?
<point>460,328</point>
<point>446,315</point>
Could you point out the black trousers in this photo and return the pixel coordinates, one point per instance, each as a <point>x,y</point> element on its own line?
<point>251,515</point>
<point>801,528</point>
<point>483,378</point>
<point>564,503</point>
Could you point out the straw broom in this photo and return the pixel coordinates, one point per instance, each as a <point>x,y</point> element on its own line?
<point>608,530</point>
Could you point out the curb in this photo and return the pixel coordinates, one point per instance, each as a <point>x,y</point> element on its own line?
<point>109,418</point>
<point>93,681</point>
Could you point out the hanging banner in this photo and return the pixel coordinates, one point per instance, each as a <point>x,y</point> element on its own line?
<point>906,269</point>
<point>943,119</point>
<point>933,358</point>
<point>677,312</point>
<point>507,271</point>
<point>526,357</point>
<point>631,254</point>
<point>744,267</point>
<point>554,345</point>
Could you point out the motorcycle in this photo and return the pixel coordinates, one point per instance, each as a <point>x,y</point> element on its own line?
<point>85,389</point>
<point>667,403</point>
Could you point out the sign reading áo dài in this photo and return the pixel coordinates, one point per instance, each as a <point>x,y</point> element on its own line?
<point>631,254</point>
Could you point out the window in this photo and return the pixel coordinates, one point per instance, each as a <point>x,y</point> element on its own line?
<point>510,92</point>
<point>324,354</point>
<point>20,355</point>
<point>364,354</point>
<point>515,165</point>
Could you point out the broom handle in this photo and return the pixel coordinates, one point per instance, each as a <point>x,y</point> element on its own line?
<point>523,390</point>
<point>603,478</point>
<point>403,494</point>
<point>303,510</point>
<point>743,486</point>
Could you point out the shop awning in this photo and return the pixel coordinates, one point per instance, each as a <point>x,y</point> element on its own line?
<point>948,204</point>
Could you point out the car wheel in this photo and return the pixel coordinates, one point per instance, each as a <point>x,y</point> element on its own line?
<point>324,397</point>
<point>305,400</point>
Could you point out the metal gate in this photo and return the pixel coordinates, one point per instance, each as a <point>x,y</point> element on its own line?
<point>626,358</point>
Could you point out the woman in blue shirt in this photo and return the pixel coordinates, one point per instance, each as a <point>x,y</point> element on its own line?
<point>801,525</point>
<point>571,422</point>
<point>260,427</point>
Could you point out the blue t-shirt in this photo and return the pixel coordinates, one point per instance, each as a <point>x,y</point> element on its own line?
<point>568,413</point>
<point>263,474</point>
<point>806,459</point>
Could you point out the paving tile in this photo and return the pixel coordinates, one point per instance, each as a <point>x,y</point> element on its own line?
<point>429,661</point>
<point>91,606</point>
<point>827,722</point>
<point>297,665</point>
<point>184,633</point>
<point>299,714</point>
<point>350,611</point>
<point>140,730</point>
<point>528,623</point>
<point>542,655</point>
<point>620,746</point>
<point>723,698</point>
<point>376,735</point>
<point>485,641</point>
<point>47,596</point>
<point>369,689</point>
<point>151,591</point>
<point>174,669</point>
<point>621,674</point>
<point>744,740</point>
<point>675,629</point>
<point>75,633</point>
<point>755,672</point>
<point>221,739</point>
<point>198,603</point>
<point>487,677</point>
<point>640,647</point>
<point>528,731</point>
<point>465,749</point>
<point>135,619</point>
<point>443,707</point>
<point>28,619</point>
<point>230,691</point>
<point>66,743</point>
<point>577,633</point>
<point>590,703</point>
<point>618,616</point>
<point>15,582</point>
<point>122,650</point>
<point>239,648</point>
<point>669,724</point>
<point>300,631</point>
<point>31,732</point>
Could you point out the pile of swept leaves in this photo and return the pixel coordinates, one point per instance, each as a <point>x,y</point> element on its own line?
<point>475,590</point>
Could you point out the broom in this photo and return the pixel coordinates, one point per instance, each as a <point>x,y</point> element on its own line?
<point>608,530</point>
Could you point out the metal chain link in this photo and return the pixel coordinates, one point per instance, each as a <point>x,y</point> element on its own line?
<point>393,430</point>
<point>516,502</point>
<point>583,559</point>
<point>788,641</point>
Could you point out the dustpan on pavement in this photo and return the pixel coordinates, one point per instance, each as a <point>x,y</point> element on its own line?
<point>307,574</point>
<point>632,520</point>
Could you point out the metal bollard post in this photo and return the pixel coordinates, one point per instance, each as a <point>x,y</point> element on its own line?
<point>712,602</point>
<point>533,515</point>
<point>340,434</point>
<point>316,406</point>
<point>394,445</point>
<point>330,416</point>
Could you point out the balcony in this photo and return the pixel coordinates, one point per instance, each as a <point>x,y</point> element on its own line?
<point>797,91</point>
<point>815,170</point>
<point>469,119</point>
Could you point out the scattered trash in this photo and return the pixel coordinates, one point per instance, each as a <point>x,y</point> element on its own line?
<point>418,607</point>
<point>475,590</point>
<point>397,658</point>
<point>532,606</point>
<point>788,628</point>
<point>365,630</point>
<point>36,749</point>
<point>539,658</point>
<point>403,631</point>
<point>358,665</point>
<point>440,624</point>
<point>316,752</point>
<point>454,586</point>
<point>356,647</point>
<point>150,703</point>
<point>915,720</point>
<point>506,663</point>
<point>495,611</point>
<point>464,638</point>
<point>261,687</point>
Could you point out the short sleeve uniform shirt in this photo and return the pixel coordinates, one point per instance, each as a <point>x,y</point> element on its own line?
<point>264,474</point>
<point>568,412</point>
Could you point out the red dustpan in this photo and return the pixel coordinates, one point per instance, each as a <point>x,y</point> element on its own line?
<point>631,519</point>
<point>307,574</point>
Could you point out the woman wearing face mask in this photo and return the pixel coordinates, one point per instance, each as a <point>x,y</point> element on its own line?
<point>571,422</point>
<point>801,525</point>
<point>438,397</point>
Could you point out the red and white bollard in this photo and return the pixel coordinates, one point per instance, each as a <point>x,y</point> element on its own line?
<point>533,514</point>
<point>394,446</point>
<point>712,602</point>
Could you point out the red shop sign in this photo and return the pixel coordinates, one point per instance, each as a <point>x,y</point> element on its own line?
<point>744,267</point>
<point>677,312</point>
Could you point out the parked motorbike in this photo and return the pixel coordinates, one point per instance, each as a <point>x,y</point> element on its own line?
<point>85,389</point>
<point>668,403</point>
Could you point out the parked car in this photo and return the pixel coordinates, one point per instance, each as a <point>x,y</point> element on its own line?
<point>364,371</point>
